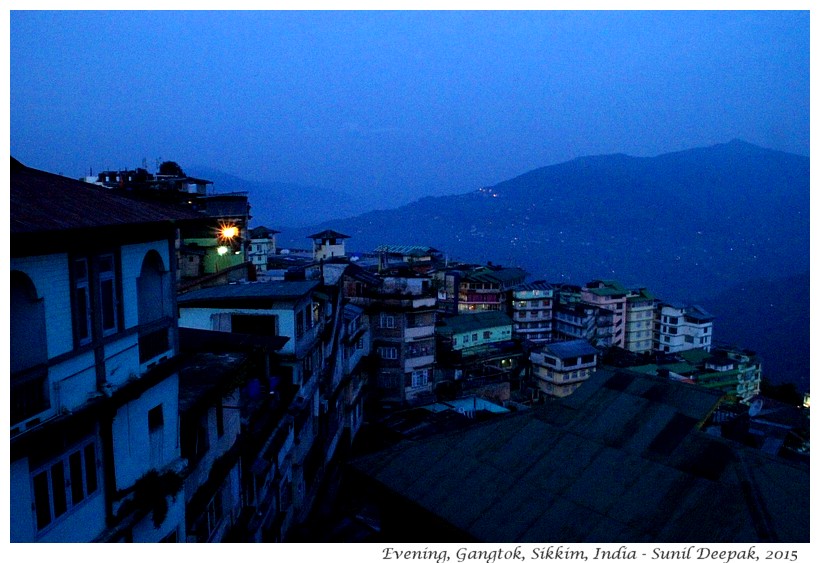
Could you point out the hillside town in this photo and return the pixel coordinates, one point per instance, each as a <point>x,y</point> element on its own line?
<point>176,376</point>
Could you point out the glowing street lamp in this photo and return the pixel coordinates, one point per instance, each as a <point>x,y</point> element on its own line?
<point>228,232</point>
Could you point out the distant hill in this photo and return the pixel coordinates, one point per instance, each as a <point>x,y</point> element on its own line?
<point>683,224</point>
<point>687,225</point>
<point>772,318</point>
<point>283,205</point>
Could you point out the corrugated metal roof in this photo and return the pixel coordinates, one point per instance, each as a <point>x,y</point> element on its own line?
<point>42,202</point>
<point>408,249</point>
<point>244,291</point>
<point>610,463</point>
<point>570,349</point>
<point>501,275</point>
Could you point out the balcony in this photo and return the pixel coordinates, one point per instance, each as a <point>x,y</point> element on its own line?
<point>418,362</point>
<point>418,332</point>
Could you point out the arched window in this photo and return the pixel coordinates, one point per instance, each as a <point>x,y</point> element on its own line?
<point>153,292</point>
<point>28,324</point>
<point>154,301</point>
<point>29,350</point>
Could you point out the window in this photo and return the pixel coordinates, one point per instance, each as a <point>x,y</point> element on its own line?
<point>487,334</point>
<point>262,325</point>
<point>387,321</point>
<point>64,484</point>
<point>465,339</point>
<point>705,329</point>
<point>29,391</point>
<point>82,302</point>
<point>155,435</point>
<point>194,437</point>
<point>220,419</point>
<point>300,324</point>
<point>309,321</point>
<point>108,294</point>
<point>475,337</point>
<point>419,378</point>
<point>388,353</point>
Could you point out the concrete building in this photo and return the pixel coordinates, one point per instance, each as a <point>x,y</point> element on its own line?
<point>559,368</point>
<point>477,354</point>
<point>402,311</point>
<point>640,321</point>
<point>532,311</point>
<point>680,327</point>
<point>610,295</point>
<point>94,367</point>
<point>328,244</point>
<point>262,246</point>
<point>477,289</point>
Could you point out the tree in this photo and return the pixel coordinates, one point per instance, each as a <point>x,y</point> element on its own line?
<point>170,168</point>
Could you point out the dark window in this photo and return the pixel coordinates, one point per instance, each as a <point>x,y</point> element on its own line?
<point>82,302</point>
<point>300,324</point>
<point>64,484</point>
<point>220,419</point>
<point>263,325</point>
<point>155,419</point>
<point>108,294</point>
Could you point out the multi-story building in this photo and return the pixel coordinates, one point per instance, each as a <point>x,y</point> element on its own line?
<point>478,354</point>
<point>559,368</point>
<point>477,290</point>
<point>640,323</point>
<point>681,327</point>
<point>295,310</point>
<point>611,295</point>
<point>418,257</point>
<point>328,244</point>
<point>531,309</point>
<point>402,314</point>
<point>356,342</point>
<point>210,425</point>
<point>262,245</point>
<point>734,371</point>
<point>582,320</point>
<point>94,368</point>
<point>221,242</point>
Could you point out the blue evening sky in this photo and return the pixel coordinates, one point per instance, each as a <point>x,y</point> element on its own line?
<point>398,104</point>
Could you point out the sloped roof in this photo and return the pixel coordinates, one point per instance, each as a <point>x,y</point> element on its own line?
<point>492,275</point>
<point>248,292</point>
<point>327,233</point>
<point>620,460</point>
<point>42,202</point>
<point>570,349</point>
<point>406,249</point>
<point>536,285</point>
